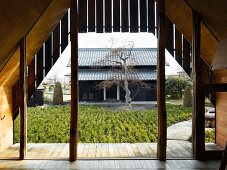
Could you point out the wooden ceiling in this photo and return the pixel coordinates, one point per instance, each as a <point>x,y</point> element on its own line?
<point>16,19</point>
<point>213,14</point>
<point>36,19</point>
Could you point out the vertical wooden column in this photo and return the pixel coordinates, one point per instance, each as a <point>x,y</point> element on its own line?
<point>74,82</point>
<point>162,132</point>
<point>104,93</point>
<point>23,99</point>
<point>198,118</point>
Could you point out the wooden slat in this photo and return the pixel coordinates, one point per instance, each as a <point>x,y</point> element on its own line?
<point>108,15</point>
<point>56,43</point>
<point>116,15</point>
<point>143,16</point>
<point>151,16</point>
<point>48,54</point>
<point>198,116</point>
<point>178,46</point>
<point>186,56</point>
<point>64,32</point>
<point>124,16</point>
<point>39,72</point>
<point>15,100</point>
<point>31,78</point>
<point>91,15</point>
<point>169,36</point>
<point>73,143</point>
<point>23,99</point>
<point>134,16</point>
<point>162,131</point>
<point>82,20</point>
<point>99,16</point>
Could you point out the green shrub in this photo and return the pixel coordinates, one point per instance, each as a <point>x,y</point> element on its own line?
<point>175,87</point>
<point>187,102</point>
<point>58,96</point>
<point>50,124</point>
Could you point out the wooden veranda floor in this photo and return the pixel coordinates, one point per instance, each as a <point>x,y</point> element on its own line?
<point>175,149</point>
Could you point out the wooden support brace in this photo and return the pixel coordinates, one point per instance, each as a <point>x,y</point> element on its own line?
<point>162,132</point>
<point>74,82</point>
<point>23,99</point>
<point>198,111</point>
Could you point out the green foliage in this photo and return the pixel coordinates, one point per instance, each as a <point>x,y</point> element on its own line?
<point>175,87</point>
<point>210,136</point>
<point>50,124</point>
<point>58,95</point>
<point>187,102</point>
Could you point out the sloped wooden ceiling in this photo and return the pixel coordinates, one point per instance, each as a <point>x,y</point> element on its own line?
<point>214,15</point>
<point>180,12</point>
<point>36,19</point>
<point>16,19</point>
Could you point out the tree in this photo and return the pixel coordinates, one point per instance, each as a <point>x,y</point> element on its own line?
<point>122,62</point>
<point>175,86</point>
<point>187,102</point>
<point>58,95</point>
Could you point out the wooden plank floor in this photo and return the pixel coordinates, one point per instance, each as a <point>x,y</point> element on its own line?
<point>175,149</point>
<point>109,164</point>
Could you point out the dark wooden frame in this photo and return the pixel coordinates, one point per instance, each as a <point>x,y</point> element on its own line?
<point>198,116</point>
<point>74,82</point>
<point>162,128</point>
<point>23,99</point>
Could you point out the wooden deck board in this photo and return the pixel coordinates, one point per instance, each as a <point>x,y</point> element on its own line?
<point>181,149</point>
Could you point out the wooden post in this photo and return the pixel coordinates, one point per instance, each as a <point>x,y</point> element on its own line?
<point>118,92</point>
<point>161,82</point>
<point>74,82</point>
<point>23,99</point>
<point>104,93</point>
<point>198,111</point>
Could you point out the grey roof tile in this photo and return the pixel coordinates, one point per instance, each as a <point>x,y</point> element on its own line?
<point>106,74</point>
<point>94,56</point>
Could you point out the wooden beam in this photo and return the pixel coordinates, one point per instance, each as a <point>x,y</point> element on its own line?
<point>198,111</point>
<point>143,15</point>
<point>108,16</point>
<point>151,16</point>
<point>74,82</point>
<point>31,78</point>
<point>161,82</point>
<point>91,15</point>
<point>124,16</point>
<point>116,16</point>
<point>186,56</point>
<point>82,14</point>
<point>218,87</point>
<point>99,16</point>
<point>23,99</point>
<point>134,16</point>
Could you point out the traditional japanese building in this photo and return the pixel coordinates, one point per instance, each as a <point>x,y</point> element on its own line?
<point>92,71</point>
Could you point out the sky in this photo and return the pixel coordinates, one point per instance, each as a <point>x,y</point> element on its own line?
<point>102,40</point>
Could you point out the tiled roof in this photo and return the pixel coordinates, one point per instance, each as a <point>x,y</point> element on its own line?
<point>106,74</point>
<point>94,56</point>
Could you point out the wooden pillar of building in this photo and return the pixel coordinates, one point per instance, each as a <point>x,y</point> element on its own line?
<point>23,99</point>
<point>198,117</point>
<point>74,82</point>
<point>104,93</point>
<point>118,92</point>
<point>162,132</point>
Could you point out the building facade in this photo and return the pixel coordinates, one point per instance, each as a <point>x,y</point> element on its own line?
<point>94,69</point>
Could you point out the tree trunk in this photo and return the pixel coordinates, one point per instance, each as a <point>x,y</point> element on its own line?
<point>127,93</point>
